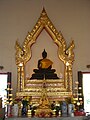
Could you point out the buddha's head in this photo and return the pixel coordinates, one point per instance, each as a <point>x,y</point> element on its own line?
<point>44,54</point>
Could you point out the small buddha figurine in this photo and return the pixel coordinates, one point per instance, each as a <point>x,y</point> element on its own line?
<point>44,70</point>
<point>44,103</point>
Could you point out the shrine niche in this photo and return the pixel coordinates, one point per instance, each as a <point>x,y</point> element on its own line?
<point>57,89</point>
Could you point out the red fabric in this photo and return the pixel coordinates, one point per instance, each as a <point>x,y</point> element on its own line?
<point>79,113</point>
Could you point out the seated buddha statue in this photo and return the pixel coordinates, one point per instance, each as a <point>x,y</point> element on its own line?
<point>44,70</point>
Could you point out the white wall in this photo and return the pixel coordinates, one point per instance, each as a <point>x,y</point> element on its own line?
<point>71,17</point>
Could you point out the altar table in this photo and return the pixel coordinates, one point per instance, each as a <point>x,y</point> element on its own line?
<point>53,118</point>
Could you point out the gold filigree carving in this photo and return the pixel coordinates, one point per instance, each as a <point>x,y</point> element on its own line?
<point>65,54</point>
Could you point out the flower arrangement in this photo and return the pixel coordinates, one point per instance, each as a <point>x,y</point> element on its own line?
<point>25,101</point>
<point>17,100</point>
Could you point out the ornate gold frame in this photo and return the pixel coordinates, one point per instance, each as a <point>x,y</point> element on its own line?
<point>23,55</point>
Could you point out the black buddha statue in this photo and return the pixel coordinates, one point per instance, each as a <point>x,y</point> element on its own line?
<point>44,70</point>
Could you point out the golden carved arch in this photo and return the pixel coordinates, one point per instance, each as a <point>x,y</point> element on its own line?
<point>65,54</point>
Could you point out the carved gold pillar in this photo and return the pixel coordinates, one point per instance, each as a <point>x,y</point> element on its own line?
<point>20,77</point>
<point>70,78</point>
<point>66,78</point>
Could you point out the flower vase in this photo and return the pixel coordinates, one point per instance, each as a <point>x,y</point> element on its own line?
<point>70,109</point>
<point>9,110</point>
<point>64,109</point>
<point>15,110</point>
<point>24,110</point>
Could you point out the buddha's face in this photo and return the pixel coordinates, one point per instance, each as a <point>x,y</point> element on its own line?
<point>44,56</point>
